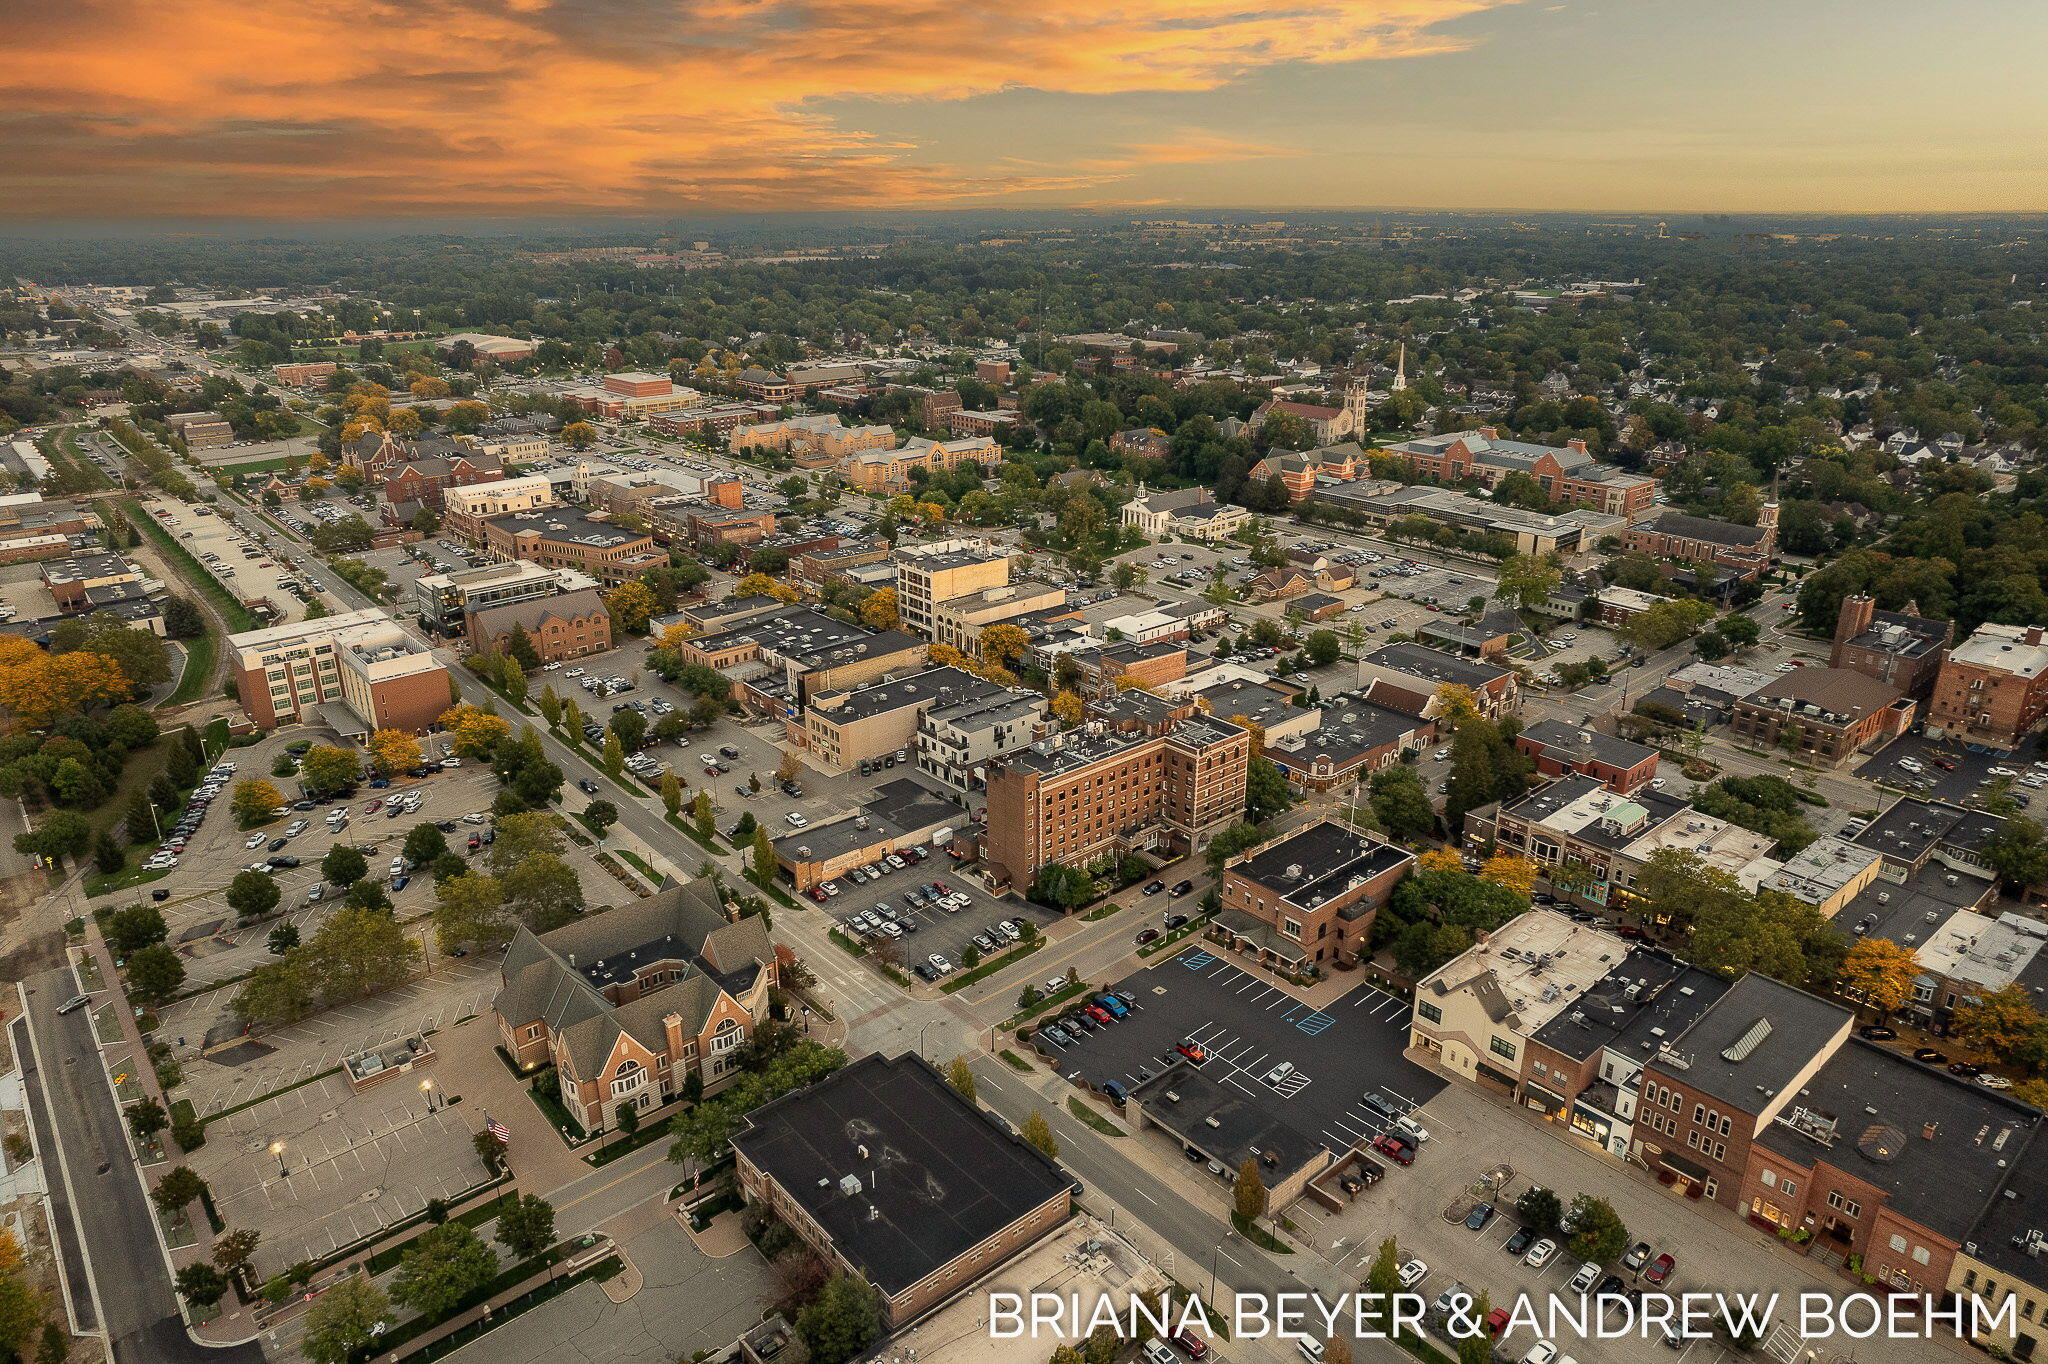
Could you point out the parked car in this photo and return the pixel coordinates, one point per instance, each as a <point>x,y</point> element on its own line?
<point>1520,1241</point>
<point>1659,1269</point>
<point>1184,888</point>
<point>1541,1253</point>
<point>1638,1255</point>
<point>1395,1148</point>
<point>1582,1282</point>
<point>1481,1214</point>
<point>1874,1033</point>
<point>1146,935</point>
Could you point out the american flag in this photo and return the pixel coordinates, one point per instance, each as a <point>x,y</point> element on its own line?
<point>497,1129</point>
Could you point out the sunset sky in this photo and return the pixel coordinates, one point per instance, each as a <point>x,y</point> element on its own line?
<point>379,110</point>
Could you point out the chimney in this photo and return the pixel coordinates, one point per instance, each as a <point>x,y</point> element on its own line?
<point>1576,444</point>
<point>1855,617</point>
<point>1490,432</point>
<point>2033,634</point>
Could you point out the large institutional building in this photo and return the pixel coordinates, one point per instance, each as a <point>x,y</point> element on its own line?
<point>356,670</point>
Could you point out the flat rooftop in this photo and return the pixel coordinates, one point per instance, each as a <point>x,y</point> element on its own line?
<point>897,1168</point>
<point>1532,969</point>
<point>1754,1040</point>
<point>1314,865</point>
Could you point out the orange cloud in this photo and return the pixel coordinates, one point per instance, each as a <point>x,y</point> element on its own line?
<point>300,108</point>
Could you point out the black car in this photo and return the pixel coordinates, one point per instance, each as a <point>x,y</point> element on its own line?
<point>159,894</point>
<point>1966,1070</point>
<point>1183,888</point>
<point>1155,887</point>
<point>587,786</point>
<point>278,843</point>
<point>1930,1056</point>
<point>1481,1214</point>
<point>1523,1238</point>
<point>304,805</point>
<point>446,826</point>
<point>1078,1020</point>
<point>284,861</point>
<point>1613,1283</point>
<point>1874,1033</point>
<point>1173,921</point>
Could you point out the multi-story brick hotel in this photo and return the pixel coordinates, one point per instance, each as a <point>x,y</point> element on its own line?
<point>360,659</point>
<point>1993,687</point>
<point>1169,784</point>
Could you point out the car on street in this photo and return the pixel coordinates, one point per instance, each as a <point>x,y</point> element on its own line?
<point>1929,1056</point>
<point>1173,921</point>
<point>1155,887</point>
<point>1874,1033</point>
<point>1966,1070</point>
<point>1184,888</point>
<point>1146,935</point>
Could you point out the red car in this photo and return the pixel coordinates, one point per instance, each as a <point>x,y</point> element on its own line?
<point>1099,1014</point>
<point>1659,1269</point>
<point>1945,764</point>
<point>1496,1321</point>
<point>1193,1051</point>
<point>1190,1344</point>
<point>1394,1147</point>
<point>817,894</point>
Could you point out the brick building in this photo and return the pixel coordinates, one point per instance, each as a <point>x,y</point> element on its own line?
<point>1822,714</point>
<point>889,1173</point>
<point>560,538</point>
<point>567,625</point>
<point>1561,750</point>
<point>627,1005</point>
<point>465,509</point>
<point>1307,899</point>
<point>1747,550</point>
<point>1567,474</point>
<point>1993,687</point>
<point>1894,647</point>
<point>1170,786</point>
<point>1409,678</point>
<point>361,660</point>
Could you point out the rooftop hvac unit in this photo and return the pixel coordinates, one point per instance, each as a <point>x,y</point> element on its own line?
<point>849,1185</point>
<point>1211,1122</point>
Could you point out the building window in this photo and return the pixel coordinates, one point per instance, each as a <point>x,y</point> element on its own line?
<point>1846,1206</point>
<point>1898,1243</point>
<point>1769,1179</point>
<point>1500,1046</point>
<point>1428,1013</point>
<point>1710,1186</point>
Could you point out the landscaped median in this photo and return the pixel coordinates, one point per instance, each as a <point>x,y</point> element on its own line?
<point>993,965</point>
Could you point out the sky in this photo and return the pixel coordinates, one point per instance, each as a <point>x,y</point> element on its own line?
<point>389,110</point>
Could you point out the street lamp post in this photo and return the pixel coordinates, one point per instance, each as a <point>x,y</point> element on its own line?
<point>277,1149</point>
<point>427,1091</point>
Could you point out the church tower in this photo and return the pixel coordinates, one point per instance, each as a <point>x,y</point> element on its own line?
<point>1401,369</point>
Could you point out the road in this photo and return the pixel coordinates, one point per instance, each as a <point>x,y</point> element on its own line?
<point>109,1211</point>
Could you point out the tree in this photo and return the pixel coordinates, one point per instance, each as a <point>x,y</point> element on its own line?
<point>1881,973</point>
<point>475,732</point>
<point>1477,1348</point>
<point>1323,648</point>
<point>1248,1196</point>
<point>361,951</point>
<point>766,864</point>
<point>579,435</point>
<point>1266,793</point>
<point>1540,1209</point>
<point>343,865</point>
<point>1003,643</point>
<point>1038,1132</point>
<point>1527,579</point>
<point>469,912</point>
<point>129,930</point>
<point>1597,1232</point>
<point>1068,708</point>
<point>614,755</point>
<point>1517,874</point>
<point>233,1250</point>
<point>177,1190</point>
<point>842,1321</point>
<point>2000,1022</point>
<point>423,843</point>
<point>631,727</point>
<point>1232,841</point>
<point>1401,803</point>
<point>22,1310</point>
<point>343,1321</point>
<point>672,792</point>
<point>601,815</point>
<point>540,889</point>
<point>182,619</point>
<point>154,975</point>
<point>393,751</point>
<point>55,1346</point>
<point>526,1227</point>
<point>2018,852</point>
<point>443,1267</point>
<point>201,1284</point>
<point>255,801</point>
<point>282,939</point>
<point>789,767</point>
<point>1665,624</point>
<point>252,893</point>
<point>632,606</point>
<point>520,649</point>
<point>961,1077</point>
<point>326,768</point>
<point>878,609</point>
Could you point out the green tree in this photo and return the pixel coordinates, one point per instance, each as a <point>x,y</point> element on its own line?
<point>527,1225</point>
<point>765,862</point>
<point>154,975</point>
<point>1249,1195</point>
<point>961,1076</point>
<point>519,648</point>
<point>424,843</point>
<point>601,815</point>
<point>1038,1132</point>
<point>201,1284</point>
<point>1266,793</point>
<point>1383,1281</point>
<point>130,930</point>
<point>842,1321</point>
<point>672,792</point>
<point>469,911</point>
<point>1597,1232</point>
<point>343,865</point>
<point>233,1250</point>
<point>326,768</point>
<point>343,1321</point>
<point>1540,1209</point>
<point>1232,841</point>
<point>1323,647</point>
<point>1401,803</point>
<point>614,755</point>
<point>252,893</point>
<point>443,1267</point>
<point>177,1190</point>
<point>701,810</point>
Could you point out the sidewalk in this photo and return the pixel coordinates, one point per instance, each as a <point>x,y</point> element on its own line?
<point>582,1259</point>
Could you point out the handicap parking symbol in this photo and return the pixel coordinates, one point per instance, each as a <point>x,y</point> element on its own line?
<point>1314,1023</point>
<point>1195,961</point>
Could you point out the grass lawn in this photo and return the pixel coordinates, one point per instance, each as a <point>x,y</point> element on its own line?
<point>1093,1119</point>
<point>99,883</point>
<point>196,680</point>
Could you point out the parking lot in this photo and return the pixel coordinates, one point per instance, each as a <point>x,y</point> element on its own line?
<point>1247,1027</point>
<point>245,568</point>
<point>930,930</point>
<point>350,1164</point>
<point>1941,769</point>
